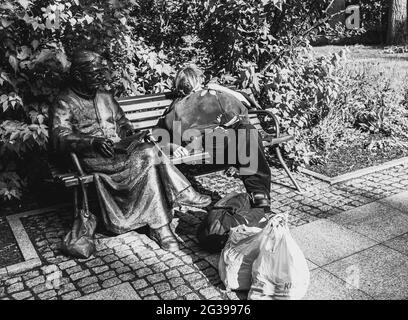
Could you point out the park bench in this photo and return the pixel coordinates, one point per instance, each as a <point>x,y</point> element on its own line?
<point>144,112</point>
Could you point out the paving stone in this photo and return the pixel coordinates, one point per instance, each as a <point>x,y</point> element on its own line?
<point>192,296</point>
<point>137,265</point>
<point>100,269</point>
<point>192,277</point>
<point>122,270</point>
<point>47,295</point>
<point>111,282</point>
<point>196,285</point>
<point>12,281</point>
<point>91,288</point>
<point>71,296</point>
<point>153,297</point>
<point>122,254</point>
<point>40,288</point>
<point>30,275</point>
<point>66,288</point>
<point>146,292</point>
<point>94,263</point>
<point>143,272</point>
<point>159,267</point>
<point>74,269</point>
<point>399,243</point>
<point>174,263</point>
<point>104,252</point>
<point>380,272</point>
<point>22,295</point>
<point>36,281</point>
<point>161,287</point>
<point>186,270</point>
<point>80,275</point>
<point>151,261</point>
<point>110,258</point>
<point>209,292</point>
<point>183,290</point>
<point>154,278</point>
<point>106,275</point>
<point>139,284</point>
<point>126,276</point>
<point>323,241</point>
<point>87,281</point>
<point>175,282</point>
<point>15,287</point>
<point>116,265</point>
<point>169,295</point>
<point>172,274</point>
<point>129,259</point>
<point>325,286</point>
<point>377,221</point>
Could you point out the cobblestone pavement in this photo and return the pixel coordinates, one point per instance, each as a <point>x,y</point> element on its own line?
<point>190,273</point>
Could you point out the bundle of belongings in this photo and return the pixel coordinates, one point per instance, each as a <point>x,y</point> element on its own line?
<point>258,252</point>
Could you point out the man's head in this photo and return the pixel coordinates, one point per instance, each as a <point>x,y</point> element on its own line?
<point>188,79</point>
<point>88,71</point>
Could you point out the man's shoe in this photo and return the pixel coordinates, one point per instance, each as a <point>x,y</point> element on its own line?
<point>165,238</point>
<point>192,198</point>
<point>259,200</point>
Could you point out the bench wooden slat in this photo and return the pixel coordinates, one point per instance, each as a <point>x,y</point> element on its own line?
<point>140,116</point>
<point>139,106</point>
<point>145,124</point>
<point>148,97</point>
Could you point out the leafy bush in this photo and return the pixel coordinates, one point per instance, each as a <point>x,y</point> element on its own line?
<point>262,45</point>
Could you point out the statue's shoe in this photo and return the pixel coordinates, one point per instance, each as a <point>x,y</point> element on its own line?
<point>259,200</point>
<point>165,238</point>
<point>192,198</point>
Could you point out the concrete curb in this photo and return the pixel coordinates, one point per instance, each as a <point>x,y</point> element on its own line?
<point>31,258</point>
<point>354,174</point>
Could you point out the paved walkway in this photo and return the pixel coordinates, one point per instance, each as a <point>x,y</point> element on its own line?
<point>354,235</point>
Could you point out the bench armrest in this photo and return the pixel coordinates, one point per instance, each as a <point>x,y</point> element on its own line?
<point>77,164</point>
<point>270,114</point>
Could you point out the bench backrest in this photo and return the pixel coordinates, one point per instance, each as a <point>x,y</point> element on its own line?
<point>144,111</point>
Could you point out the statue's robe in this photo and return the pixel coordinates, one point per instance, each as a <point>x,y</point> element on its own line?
<point>134,189</point>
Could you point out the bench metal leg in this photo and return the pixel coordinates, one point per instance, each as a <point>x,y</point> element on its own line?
<point>279,154</point>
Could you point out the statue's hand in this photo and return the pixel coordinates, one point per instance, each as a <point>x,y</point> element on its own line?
<point>103,146</point>
<point>131,132</point>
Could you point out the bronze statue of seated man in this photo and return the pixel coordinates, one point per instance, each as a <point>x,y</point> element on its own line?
<point>135,188</point>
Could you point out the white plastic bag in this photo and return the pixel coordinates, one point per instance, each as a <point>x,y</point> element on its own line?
<point>280,272</point>
<point>237,257</point>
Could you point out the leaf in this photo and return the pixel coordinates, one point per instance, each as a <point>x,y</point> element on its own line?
<point>24,3</point>
<point>35,43</point>
<point>5,23</point>
<point>89,19</point>
<point>13,62</point>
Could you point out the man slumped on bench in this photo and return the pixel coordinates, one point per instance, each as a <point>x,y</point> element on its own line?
<point>134,187</point>
<point>215,119</point>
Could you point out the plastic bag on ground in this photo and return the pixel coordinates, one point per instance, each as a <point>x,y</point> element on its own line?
<point>237,257</point>
<point>280,272</point>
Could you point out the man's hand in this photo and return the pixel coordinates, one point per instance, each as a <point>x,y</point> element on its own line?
<point>180,152</point>
<point>103,146</point>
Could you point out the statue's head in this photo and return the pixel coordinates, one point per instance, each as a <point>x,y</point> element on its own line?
<point>188,80</point>
<point>88,71</point>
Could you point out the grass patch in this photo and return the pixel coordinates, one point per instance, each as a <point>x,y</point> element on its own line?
<point>368,123</point>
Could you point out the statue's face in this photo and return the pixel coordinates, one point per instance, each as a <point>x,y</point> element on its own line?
<point>93,76</point>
